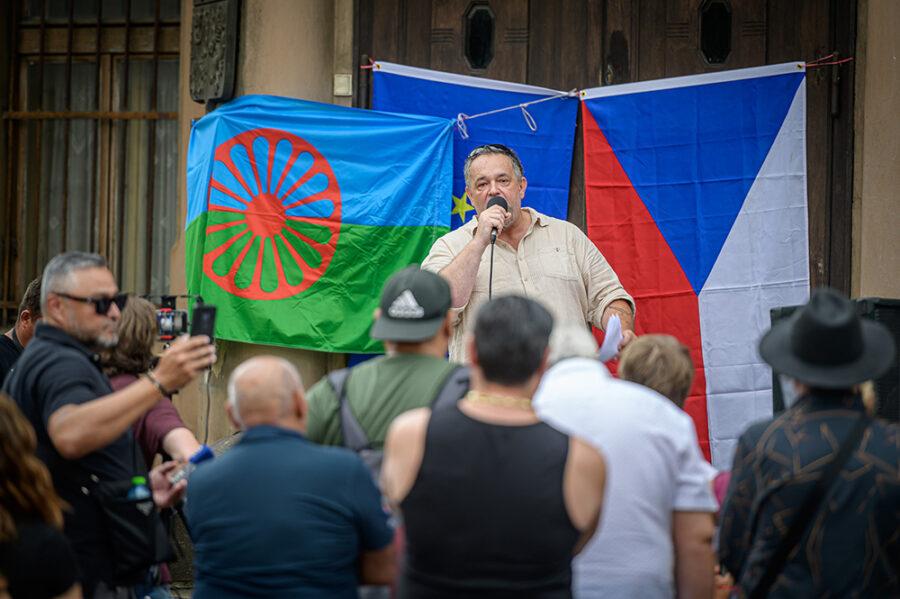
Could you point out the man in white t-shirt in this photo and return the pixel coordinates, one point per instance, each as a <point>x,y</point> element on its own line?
<point>655,534</point>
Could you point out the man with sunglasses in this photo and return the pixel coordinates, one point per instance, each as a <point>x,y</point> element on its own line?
<point>535,255</point>
<point>83,427</point>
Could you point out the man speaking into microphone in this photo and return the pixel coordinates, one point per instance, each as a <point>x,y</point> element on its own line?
<point>535,255</point>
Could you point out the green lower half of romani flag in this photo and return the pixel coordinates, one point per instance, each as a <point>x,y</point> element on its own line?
<point>334,313</point>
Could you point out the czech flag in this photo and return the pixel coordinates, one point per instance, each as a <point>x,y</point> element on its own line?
<point>696,195</point>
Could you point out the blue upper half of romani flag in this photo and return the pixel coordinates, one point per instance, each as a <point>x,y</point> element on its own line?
<point>384,169</point>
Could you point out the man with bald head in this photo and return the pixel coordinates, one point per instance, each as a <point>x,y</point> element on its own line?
<point>278,515</point>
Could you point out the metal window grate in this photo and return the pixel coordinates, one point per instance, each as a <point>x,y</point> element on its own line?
<point>90,133</point>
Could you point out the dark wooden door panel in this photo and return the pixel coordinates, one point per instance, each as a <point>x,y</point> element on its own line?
<point>564,44</point>
<point>510,38</point>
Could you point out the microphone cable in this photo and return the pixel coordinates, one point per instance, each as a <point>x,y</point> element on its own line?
<point>491,270</point>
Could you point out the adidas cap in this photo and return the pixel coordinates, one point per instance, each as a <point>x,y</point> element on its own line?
<point>414,303</point>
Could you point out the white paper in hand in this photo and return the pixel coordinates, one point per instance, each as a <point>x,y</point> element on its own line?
<point>610,347</point>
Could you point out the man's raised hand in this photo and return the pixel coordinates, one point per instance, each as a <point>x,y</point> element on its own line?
<point>495,216</point>
<point>183,361</point>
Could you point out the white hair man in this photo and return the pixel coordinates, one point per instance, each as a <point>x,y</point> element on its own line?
<point>656,530</point>
<point>278,515</point>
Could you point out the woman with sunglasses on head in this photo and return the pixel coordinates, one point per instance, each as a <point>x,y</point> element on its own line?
<point>35,558</point>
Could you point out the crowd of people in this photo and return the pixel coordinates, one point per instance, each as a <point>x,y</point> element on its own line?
<point>518,467</point>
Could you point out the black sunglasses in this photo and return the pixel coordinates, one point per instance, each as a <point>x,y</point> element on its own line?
<point>101,304</point>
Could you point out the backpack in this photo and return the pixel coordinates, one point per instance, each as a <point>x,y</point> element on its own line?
<point>454,387</point>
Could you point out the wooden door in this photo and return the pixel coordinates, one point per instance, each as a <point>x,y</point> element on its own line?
<point>565,44</point>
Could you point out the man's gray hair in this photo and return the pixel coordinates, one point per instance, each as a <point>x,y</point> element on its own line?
<point>493,149</point>
<point>278,386</point>
<point>570,340</point>
<point>58,272</point>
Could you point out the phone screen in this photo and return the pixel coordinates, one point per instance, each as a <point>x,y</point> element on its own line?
<point>204,322</point>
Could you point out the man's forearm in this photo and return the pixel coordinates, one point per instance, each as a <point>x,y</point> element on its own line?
<point>77,430</point>
<point>463,271</point>
<point>692,534</point>
<point>622,309</point>
<point>180,443</point>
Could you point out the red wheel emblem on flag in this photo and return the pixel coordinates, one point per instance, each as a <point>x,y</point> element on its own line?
<point>278,233</point>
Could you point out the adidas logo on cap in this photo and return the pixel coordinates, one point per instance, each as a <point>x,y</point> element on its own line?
<point>406,306</point>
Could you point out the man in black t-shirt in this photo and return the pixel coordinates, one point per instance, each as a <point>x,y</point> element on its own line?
<point>83,428</point>
<point>14,340</point>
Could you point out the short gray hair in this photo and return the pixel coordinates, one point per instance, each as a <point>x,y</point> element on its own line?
<point>58,272</point>
<point>570,340</point>
<point>280,387</point>
<point>493,149</point>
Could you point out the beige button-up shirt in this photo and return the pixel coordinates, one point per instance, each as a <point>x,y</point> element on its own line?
<point>555,263</point>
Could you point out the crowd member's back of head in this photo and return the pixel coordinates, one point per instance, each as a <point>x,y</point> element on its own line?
<point>510,339</point>
<point>133,354</point>
<point>29,311</point>
<point>15,339</point>
<point>31,516</point>
<point>266,390</point>
<point>661,363</point>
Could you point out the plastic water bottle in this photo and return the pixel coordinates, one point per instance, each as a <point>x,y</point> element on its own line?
<point>139,489</point>
<point>202,454</point>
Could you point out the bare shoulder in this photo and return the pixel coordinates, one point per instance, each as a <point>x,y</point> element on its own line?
<point>412,420</point>
<point>584,483</point>
<point>585,455</point>
<point>408,425</point>
<point>404,447</point>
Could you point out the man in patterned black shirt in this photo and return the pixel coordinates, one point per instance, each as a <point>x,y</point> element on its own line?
<point>851,545</point>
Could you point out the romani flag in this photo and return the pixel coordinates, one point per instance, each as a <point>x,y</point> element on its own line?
<point>298,212</point>
<point>696,194</point>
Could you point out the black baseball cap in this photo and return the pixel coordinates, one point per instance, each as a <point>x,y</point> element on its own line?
<point>414,303</point>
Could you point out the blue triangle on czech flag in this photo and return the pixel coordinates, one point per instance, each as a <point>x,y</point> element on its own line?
<point>692,154</point>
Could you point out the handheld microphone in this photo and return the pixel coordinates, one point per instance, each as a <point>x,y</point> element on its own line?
<point>496,201</point>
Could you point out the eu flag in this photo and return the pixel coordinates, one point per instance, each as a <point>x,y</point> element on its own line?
<point>546,152</point>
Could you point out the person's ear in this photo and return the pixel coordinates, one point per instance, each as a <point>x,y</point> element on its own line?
<point>472,351</point>
<point>545,363</point>
<point>232,417</point>
<point>25,316</point>
<point>300,407</point>
<point>523,185</point>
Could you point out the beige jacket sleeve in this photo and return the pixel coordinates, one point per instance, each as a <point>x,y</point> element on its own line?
<point>439,257</point>
<point>600,281</point>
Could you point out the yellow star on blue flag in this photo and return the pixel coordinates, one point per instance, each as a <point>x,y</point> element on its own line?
<point>461,207</point>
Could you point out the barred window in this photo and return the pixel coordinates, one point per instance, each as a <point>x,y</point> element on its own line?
<point>90,139</point>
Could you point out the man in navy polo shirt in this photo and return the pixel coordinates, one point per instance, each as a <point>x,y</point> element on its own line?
<point>83,427</point>
<point>278,515</point>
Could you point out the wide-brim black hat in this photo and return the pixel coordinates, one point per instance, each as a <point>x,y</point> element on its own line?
<point>827,344</point>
